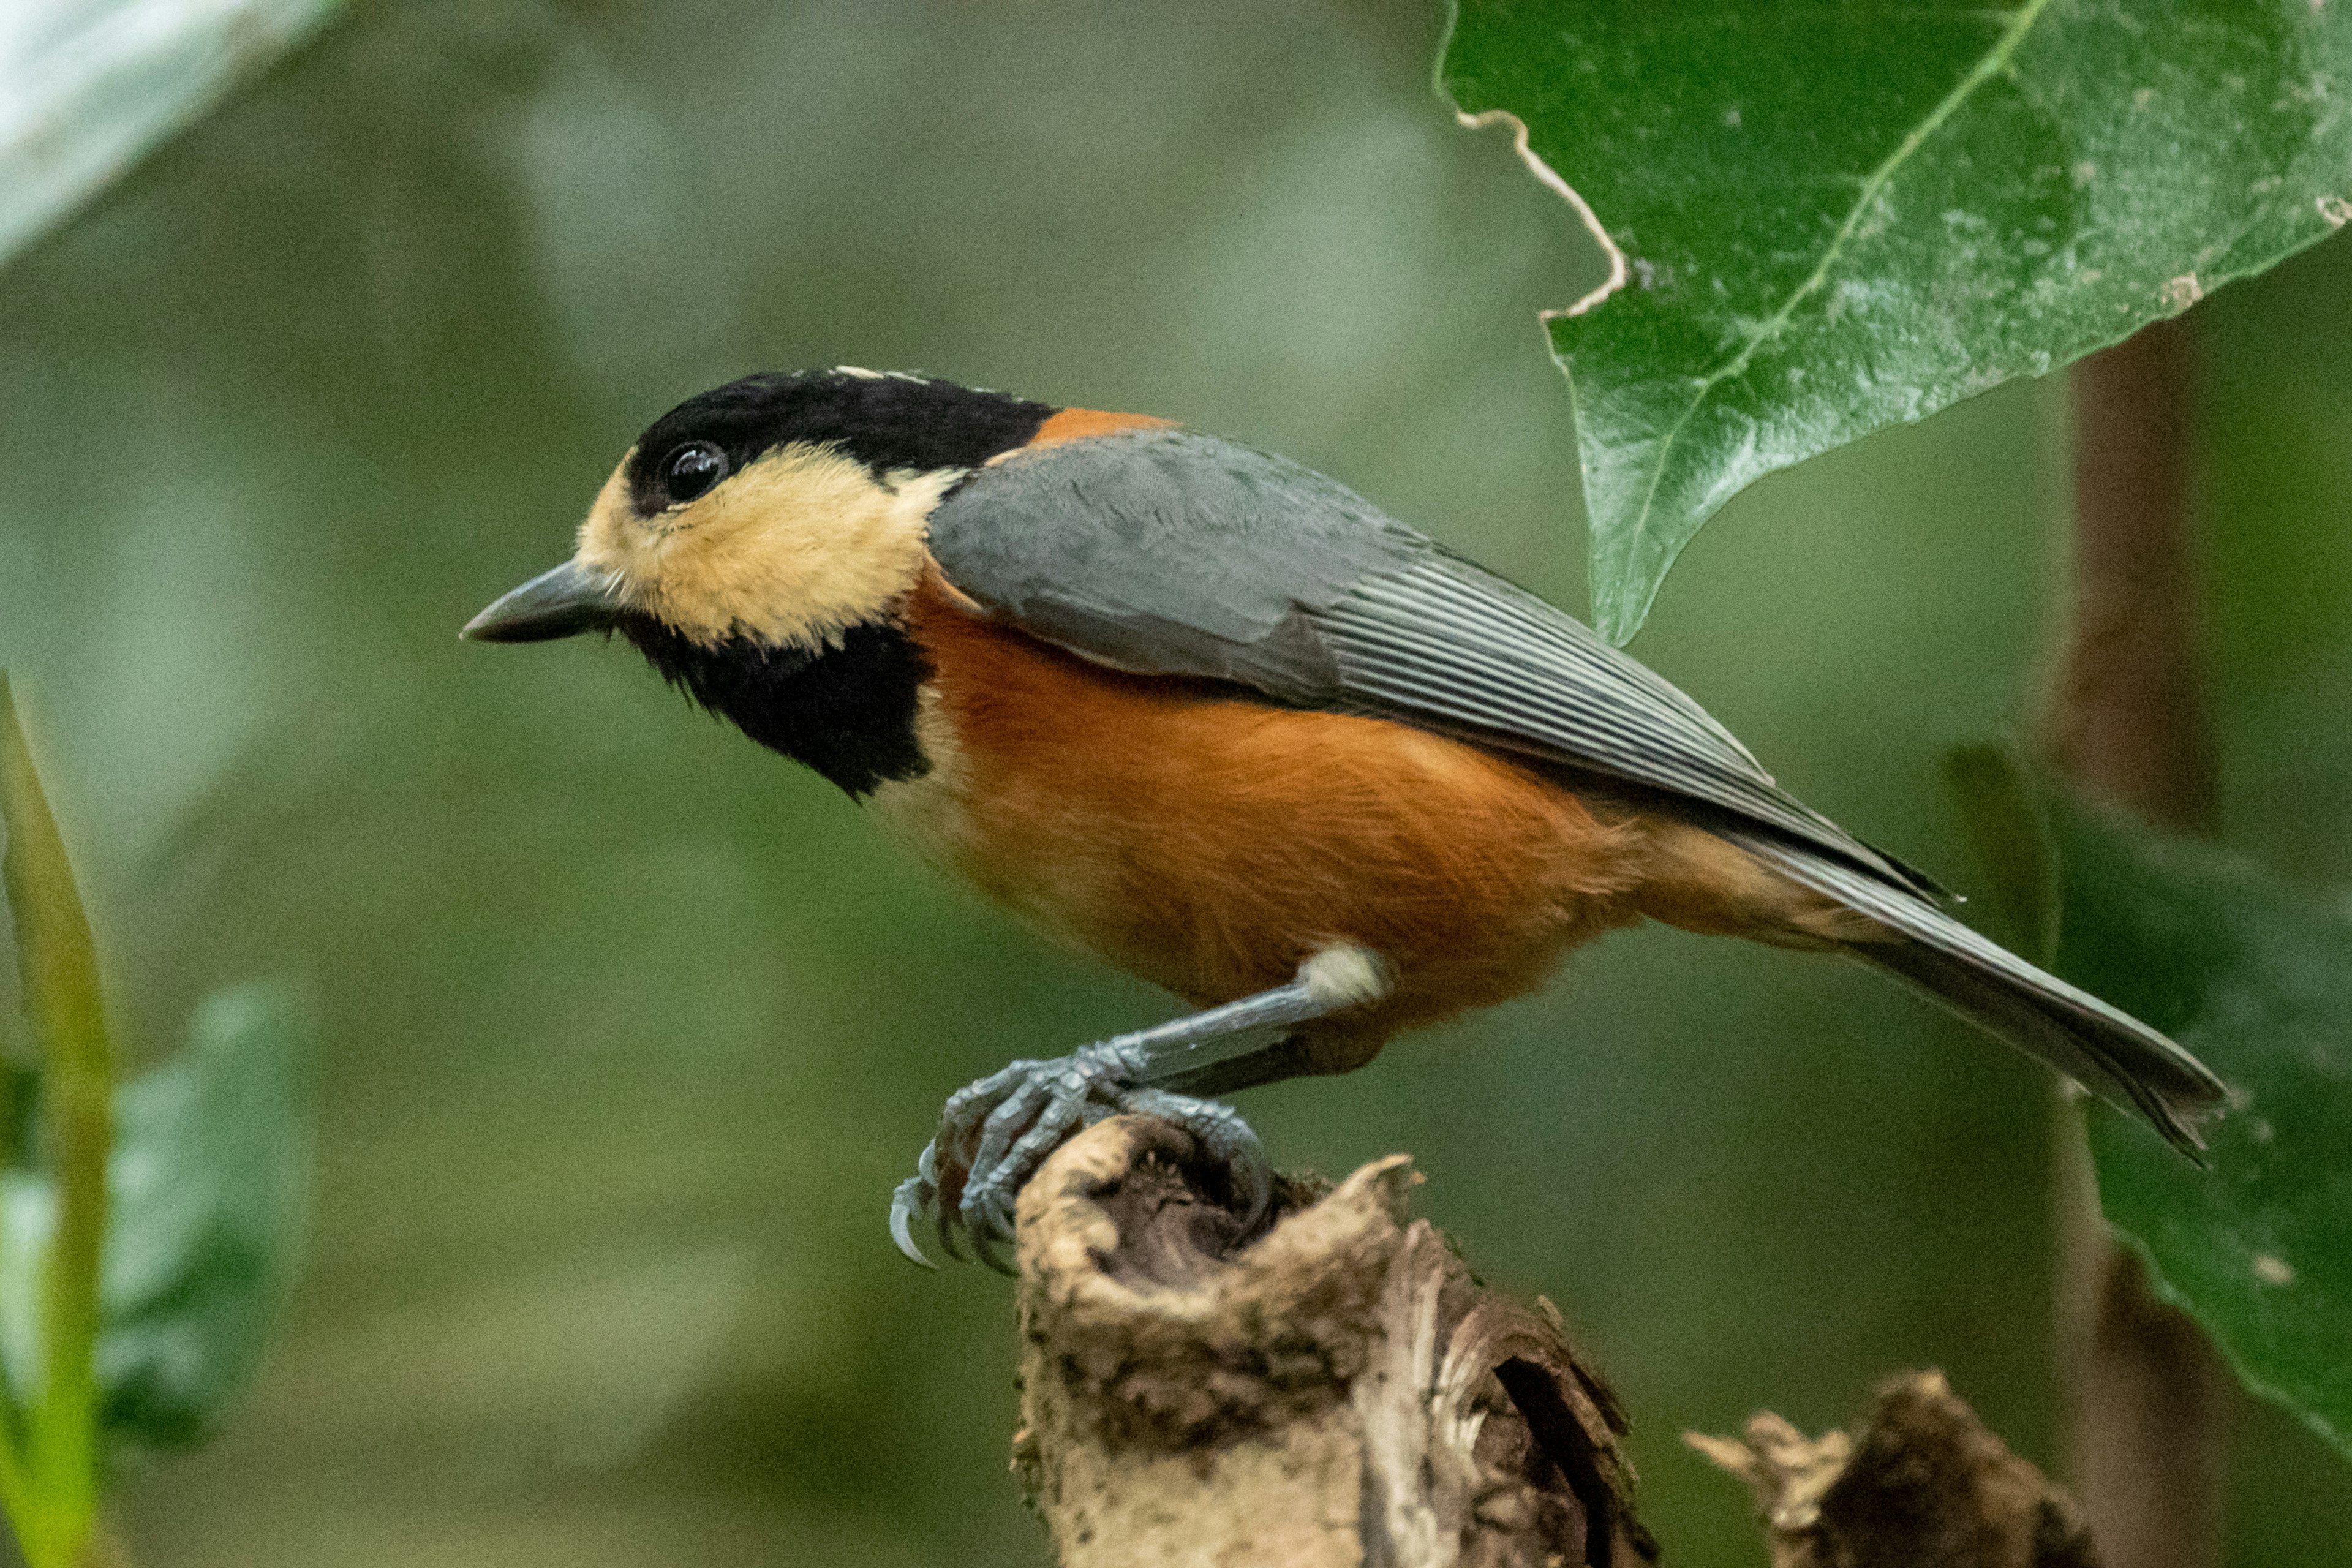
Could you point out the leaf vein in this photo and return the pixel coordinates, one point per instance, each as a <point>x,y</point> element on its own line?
<point>1996,62</point>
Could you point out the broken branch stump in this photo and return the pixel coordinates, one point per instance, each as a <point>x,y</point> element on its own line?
<point>1337,1392</point>
<point>1925,1486</point>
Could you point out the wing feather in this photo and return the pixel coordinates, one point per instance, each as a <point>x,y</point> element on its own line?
<point>1446,638</point>
<point>2102,1047</point>
<point>1165,552</point>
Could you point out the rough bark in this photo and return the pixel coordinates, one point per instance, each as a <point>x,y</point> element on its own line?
<point>1924,1487</point>
<point>2150,1398</point>
<point>1335,1390</point>
<point>1340,1391</point>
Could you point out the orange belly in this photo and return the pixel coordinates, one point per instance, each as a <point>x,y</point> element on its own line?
<point>1211,843</point>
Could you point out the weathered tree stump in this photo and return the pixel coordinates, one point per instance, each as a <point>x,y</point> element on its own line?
<point>1335,1390</point>
<point>1340,1391</point>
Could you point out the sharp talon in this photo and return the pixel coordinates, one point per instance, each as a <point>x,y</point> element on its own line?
<point>1245,1158</point>
<point>1261,1194</point>
<point>905,1204</point>
<point>982,1249</point>
<point>995,1132</point>
<point>913,1197</point>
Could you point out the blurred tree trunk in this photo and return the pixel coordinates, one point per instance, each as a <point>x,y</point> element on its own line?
<point>2150,1399</point>
<point>2127,721</point>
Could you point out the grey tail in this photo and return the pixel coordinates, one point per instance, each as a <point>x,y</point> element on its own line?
<point>2104,1049</point>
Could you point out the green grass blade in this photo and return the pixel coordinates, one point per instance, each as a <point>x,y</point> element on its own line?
<point>58,961</point>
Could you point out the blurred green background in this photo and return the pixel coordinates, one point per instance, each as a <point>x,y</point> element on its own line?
<point>630,1027</point>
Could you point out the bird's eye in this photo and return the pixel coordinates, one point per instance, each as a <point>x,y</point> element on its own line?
<point>691,470</point>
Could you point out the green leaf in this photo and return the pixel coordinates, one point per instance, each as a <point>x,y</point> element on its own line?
<point>212,1181</point>
<point>86,88</point>
<point>1826,222</point>
<point>2257,980</point>
<point>2010,833</point>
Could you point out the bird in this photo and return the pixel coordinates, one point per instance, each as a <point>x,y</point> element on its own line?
<point>1218,721</point>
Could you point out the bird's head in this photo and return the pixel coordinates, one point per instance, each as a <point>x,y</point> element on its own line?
<point>771,514</point>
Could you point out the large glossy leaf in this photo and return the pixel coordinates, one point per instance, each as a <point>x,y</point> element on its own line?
<point>1826,220</point>
<point>89,86</point>
<point>2257,980</point>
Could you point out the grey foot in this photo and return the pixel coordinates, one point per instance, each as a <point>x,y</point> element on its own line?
<point>998,1131</point>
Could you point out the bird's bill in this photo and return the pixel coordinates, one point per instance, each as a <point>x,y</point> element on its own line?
<point>563,602</point>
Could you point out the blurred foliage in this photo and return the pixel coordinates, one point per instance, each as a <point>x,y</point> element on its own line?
<point>2257,980</point>
<point>2009,833</point>
<point>147,1235</point>
<point>210,1185</point>
<point>86,87</point>
<point>628,1027</point>
<point>1833,225</point>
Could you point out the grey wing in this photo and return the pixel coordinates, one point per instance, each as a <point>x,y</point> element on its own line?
<point>1170,552</point>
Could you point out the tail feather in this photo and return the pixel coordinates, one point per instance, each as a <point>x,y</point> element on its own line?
<point>2104,1049</point>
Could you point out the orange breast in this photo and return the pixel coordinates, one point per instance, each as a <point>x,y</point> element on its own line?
<point>1209,843</point>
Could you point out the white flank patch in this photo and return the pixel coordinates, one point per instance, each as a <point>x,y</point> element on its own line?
<point>1345,976</point>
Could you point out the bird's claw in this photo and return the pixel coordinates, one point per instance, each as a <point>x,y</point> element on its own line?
<point>913,1197</point>
<point>997,1132</point>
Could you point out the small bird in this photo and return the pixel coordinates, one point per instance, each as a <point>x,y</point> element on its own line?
<point>1216,720</point>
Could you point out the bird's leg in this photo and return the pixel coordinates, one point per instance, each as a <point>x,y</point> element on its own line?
<point>1286,1057</point>
<point>1000,1128</point>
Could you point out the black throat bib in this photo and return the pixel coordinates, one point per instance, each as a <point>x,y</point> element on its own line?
<point>847,710</point>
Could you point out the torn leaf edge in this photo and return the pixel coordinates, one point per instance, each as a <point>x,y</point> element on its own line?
<point>1550,179</point>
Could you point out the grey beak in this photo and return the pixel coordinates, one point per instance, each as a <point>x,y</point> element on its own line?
<point>559,603</point>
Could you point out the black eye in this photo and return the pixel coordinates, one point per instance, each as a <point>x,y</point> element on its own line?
<point>691,470</point>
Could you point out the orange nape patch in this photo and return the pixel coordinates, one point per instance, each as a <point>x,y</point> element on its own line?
<point>1076,423</point>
